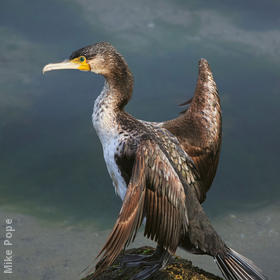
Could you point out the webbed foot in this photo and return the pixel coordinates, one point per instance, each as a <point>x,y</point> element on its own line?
<point>147,272</point>
<point>133,260</point>
<point>151,264</point>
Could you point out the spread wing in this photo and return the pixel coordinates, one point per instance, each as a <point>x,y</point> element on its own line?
<point>199,128</point>
<point>156,192</point>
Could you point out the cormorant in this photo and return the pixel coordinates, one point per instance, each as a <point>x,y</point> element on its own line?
<point>161,171</point>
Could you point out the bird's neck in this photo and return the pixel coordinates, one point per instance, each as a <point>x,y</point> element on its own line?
<point>110,104</point>
<point>119,85</point>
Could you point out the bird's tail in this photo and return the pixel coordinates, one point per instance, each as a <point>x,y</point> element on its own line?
<point>236,267</point>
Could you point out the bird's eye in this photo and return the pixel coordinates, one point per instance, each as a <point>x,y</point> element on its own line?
<point>82,58</point>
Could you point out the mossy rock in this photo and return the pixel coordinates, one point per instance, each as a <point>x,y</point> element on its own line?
<point>177,269</point>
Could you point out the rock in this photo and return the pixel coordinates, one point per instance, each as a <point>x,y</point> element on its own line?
<point>177,269</point>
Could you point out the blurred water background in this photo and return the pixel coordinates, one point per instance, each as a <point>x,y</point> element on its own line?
<point>54,181</point>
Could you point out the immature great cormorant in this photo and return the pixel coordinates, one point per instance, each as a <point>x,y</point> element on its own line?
<point>161,171</point>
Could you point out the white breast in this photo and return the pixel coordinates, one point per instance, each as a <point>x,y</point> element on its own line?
<point>109,150</point>
<point>104,122</point>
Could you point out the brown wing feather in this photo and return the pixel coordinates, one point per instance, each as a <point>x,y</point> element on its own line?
<point>155,191</point>
<point>199,129</point>
<point>129,220</point>
<point>165,199</point>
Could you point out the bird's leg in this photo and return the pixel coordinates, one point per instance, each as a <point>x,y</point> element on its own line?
<point>151,263</point>
<point>132,260</point>
<point>152,266</point>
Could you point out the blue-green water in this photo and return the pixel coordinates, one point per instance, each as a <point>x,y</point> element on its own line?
<point>51,161</point>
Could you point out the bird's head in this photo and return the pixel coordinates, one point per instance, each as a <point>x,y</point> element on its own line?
<point>100,58</point>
